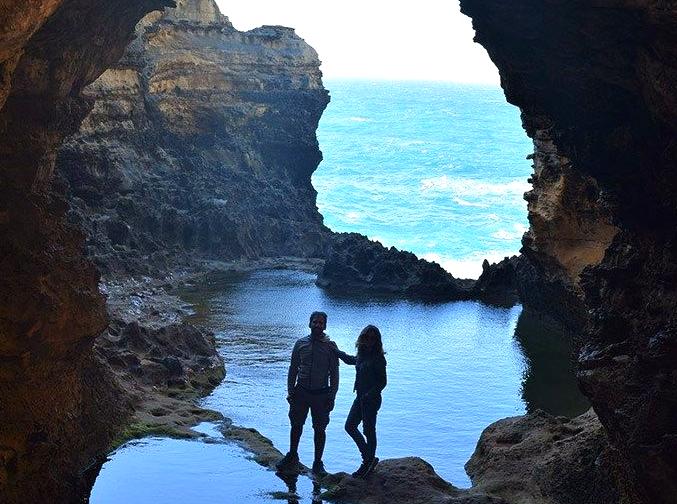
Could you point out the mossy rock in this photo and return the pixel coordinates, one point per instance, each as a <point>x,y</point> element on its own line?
<point>138,430</point>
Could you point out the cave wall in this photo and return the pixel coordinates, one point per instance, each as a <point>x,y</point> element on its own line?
<point>595,81</point>
<point>52,398</point>
<point>201,144</point>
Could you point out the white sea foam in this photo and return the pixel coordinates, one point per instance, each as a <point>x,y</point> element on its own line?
<point>360,119</point>
<point>515,234</point>
<point>352,217</point>
<point>462,202</point>
<point>467,267</point>
<point>461,187</point>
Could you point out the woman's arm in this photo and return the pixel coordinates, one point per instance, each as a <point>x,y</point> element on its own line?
<point>348,359</point>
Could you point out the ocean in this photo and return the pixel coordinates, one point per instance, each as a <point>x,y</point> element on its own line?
<point>438,169</point>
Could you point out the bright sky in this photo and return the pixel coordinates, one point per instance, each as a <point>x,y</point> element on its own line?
<point>377,39</point>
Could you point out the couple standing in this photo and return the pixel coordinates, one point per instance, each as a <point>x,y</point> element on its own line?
<point>312,384</point>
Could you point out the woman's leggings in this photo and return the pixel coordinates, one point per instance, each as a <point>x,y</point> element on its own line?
<point>365,411</point>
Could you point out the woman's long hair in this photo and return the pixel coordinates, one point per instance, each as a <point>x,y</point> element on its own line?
<point>370,332</point>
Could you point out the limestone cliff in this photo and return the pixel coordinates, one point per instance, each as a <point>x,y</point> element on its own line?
<point>201,143</point>
<point>58,409</point>
<point>596,85</point>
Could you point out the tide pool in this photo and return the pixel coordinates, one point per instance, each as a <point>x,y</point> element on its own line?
<point>453,368</point>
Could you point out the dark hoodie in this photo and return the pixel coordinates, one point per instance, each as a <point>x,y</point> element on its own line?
<point>370,372</point>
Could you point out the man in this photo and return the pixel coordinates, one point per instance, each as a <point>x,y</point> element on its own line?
<point>312,383</point>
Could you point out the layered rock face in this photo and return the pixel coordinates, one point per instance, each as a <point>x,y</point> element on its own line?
<point>595,82</point>
<point>58,408</point>
<point>201,143</point>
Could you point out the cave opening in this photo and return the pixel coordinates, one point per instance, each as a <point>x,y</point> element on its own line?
<point>595,87</point>
<point>525,364</point>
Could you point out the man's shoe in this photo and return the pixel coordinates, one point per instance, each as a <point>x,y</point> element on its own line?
<point>290,462</point>
<point>318,468</point>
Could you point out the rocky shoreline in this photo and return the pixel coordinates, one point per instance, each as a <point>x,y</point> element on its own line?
<point>521,459</point>
<point>161,363</point>
<point>536,459</point>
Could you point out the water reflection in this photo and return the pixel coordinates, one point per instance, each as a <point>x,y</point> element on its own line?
<point>549,381</point>
<point>293,497</point>
<point>453,368</point>
<point>173,471</point>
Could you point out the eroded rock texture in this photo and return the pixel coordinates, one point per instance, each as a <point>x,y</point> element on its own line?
<point>201,142</point>
<point>596,85</point>
<point>408,480</point>
<point>58,409</point>
<point>356,264</point>
<point>539,458</point>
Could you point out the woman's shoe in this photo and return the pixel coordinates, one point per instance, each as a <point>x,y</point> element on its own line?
<point>360,470</point>
<point>370,468</point>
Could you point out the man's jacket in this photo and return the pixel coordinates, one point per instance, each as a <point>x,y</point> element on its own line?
<point>314,365</point>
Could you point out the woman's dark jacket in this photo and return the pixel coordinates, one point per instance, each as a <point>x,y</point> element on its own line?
<point>370,372</point>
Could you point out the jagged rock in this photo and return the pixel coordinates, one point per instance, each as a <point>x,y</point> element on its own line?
<point>542,459</point>
<point>596,86</point>
<point>498,283</point>
<point>201,143</point>
<point>59,409</point>
<point>409,480</point>
<point>355,263</point>
<point>172,355</point>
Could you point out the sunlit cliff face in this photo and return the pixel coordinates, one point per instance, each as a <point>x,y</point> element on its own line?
<point>595,83</point>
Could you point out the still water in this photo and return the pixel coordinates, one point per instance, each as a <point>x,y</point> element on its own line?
<point>453,368</point>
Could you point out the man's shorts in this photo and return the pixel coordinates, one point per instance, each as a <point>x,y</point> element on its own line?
<point>318,403</point>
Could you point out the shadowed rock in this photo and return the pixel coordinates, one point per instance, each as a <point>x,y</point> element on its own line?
<point>355,263</point>
<point>201,144</point>
<point>409,480</point>
<point>538,458</point>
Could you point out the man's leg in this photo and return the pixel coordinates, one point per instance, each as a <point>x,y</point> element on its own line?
<point>319,410</point>
<point>320,439</point>
<point>295,438</point>
<point>298,411</point>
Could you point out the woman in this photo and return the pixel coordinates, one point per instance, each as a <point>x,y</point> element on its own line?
<point>370,380</point>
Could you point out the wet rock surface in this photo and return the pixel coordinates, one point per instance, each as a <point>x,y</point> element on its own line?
<point>162,362</point>
<point>404,480</point>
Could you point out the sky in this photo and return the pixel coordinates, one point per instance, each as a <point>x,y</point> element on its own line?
<point>377,39</point>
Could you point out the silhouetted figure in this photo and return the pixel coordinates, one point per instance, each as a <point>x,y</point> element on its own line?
<point>370,380</point>
<point>312,383</point>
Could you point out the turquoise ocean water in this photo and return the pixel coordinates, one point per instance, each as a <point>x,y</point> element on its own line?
<point>435,168</point>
